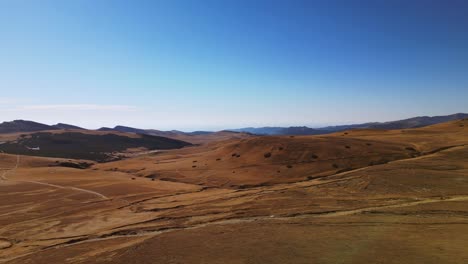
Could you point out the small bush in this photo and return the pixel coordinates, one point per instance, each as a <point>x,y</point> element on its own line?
<point>348,147</point>
<point>194,161</point>
<point>334,165</point>
<point>267,155</point>
<point>344,170</point>
<point>378,162</point>
<point>280,148</point>
<point>234,155</point>
<point>78,165</point>
<point>410,148</point>
<point>218,159</point>
<point>369,144</point>
<point>314,156</point>
<point>289,166</point>
<point>194,166</point>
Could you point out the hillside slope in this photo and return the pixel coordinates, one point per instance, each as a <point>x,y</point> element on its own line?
<point>77,145</point>
<point>23,126</point>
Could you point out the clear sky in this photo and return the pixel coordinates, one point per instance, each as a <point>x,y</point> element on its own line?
<point>215,64</point>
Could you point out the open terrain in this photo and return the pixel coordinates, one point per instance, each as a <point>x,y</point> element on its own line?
<point>356,196</point>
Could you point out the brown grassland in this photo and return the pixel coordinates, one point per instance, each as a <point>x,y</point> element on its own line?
<point>360,196</point>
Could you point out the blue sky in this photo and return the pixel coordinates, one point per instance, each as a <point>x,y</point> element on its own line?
<point>214,64</point>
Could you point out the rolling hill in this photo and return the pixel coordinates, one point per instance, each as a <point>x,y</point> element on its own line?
<point>23,126</point>
<point>88,146</point>
<point>329,197</point>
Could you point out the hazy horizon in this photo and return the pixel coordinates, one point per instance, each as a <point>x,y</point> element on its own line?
<point>214,128</point>
<point>229,64</point>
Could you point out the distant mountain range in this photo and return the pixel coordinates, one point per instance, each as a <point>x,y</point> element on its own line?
<point>414,122</point>
<point>18,126</point>
<point>154,132</point>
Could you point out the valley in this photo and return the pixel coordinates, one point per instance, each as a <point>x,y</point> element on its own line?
<point>352,196</point>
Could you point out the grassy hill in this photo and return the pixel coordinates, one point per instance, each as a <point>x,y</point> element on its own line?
<point>85,146</point>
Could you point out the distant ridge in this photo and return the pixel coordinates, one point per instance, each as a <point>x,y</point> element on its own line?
<point>414,122</point>
<point>419,121</point>
<point>297,130</point>
<point>23,126</point>
<point>153,132</point>
<point>66,126</point>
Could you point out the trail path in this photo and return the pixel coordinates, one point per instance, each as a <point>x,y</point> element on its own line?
<point>68,187</point>
<point>6,171</point>
<point>12,170</point>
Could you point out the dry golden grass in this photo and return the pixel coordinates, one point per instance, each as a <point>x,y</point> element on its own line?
<point>359,196</point>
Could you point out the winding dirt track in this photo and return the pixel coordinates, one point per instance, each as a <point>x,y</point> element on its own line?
<point>12,170</point>
<point>100,195</point>
<point>6,171</point>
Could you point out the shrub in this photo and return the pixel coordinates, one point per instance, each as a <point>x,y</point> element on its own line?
<point>78,165</point>
<point>267,155</point>
<point>378,162</point>
<point>348,147</point>
<point>334,165</point>
<point>344,170</point>
<point>289,166</point>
